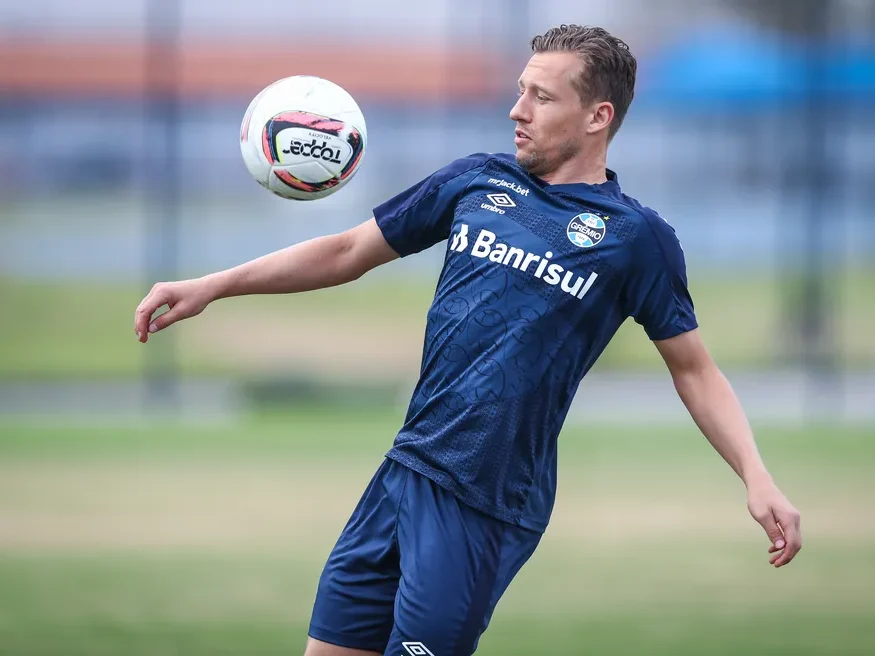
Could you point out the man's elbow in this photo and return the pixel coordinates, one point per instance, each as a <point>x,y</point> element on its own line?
<point>696,376</point>
<point>364,248</point>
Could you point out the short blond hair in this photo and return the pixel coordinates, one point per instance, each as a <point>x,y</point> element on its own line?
<point>609,68</point>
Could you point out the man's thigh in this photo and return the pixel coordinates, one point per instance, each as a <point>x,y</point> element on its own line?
<point>455,565</point>
<point>355,599</point>
<point>319,648</point>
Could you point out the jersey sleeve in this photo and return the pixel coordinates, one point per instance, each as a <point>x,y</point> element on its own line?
<point>422,215</point>
<point>656,295</point>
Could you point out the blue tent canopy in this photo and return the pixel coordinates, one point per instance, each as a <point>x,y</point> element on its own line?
<point>729,65</point>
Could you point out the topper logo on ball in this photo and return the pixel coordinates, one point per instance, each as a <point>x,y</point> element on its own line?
<point>317,151</point>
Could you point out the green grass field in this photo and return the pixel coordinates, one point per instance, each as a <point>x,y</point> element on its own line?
<point>192,539</point>
<point>375,327</point>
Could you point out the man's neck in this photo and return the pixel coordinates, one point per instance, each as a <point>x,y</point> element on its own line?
<point>587,168</point>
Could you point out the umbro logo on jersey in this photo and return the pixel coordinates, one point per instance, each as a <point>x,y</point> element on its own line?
<point>487,246</point>
<point>513,186</point>
<point>497,202</point>
<point>501,200</point>
<point>416,649</point>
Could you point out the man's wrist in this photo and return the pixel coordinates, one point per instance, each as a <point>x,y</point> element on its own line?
<point>757,477</point>
<point>217,285</point>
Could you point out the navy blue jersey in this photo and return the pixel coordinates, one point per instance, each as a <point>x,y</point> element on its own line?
<point>536,280</point>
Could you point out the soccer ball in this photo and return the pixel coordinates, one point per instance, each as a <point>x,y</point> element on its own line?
<point>303,137</point>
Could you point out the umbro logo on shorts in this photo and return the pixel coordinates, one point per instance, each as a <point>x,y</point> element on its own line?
<point>416,649</point>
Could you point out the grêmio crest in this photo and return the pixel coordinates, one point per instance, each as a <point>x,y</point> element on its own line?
<point>586,230</point>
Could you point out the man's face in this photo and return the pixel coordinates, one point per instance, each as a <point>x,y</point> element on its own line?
<point>551,119</point>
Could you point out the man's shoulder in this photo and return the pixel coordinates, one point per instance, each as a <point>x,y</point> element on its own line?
<point>649,217</point>
<point>481,159</point>
<point>461,166</point>
<point>655,233</point>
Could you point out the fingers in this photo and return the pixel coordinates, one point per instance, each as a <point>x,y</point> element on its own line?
<point>169,318</point>
<point>155,299</point>
<point>792,536</point>
<point>781,522</point>
<point>776,535</point>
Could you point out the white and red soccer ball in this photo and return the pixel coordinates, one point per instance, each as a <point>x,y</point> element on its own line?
<point>303,137</point>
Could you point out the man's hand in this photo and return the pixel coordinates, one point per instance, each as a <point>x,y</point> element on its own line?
<point>718,414</point>
<point>779,519</point>
<point>185,299</point>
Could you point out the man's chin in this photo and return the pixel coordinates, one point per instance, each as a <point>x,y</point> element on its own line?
<point>527,161</point>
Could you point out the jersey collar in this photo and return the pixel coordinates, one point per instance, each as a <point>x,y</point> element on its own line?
<point>611,187</point>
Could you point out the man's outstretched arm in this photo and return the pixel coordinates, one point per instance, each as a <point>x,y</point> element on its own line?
<point>714,407</point>
<point>315,264</point>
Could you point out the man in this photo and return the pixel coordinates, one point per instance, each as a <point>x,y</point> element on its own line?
<point>546,257</point>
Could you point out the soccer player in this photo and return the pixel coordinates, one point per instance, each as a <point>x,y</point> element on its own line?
<point>545,259</point>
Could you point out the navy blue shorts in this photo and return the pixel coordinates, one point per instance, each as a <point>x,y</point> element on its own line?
<point>414,565</point>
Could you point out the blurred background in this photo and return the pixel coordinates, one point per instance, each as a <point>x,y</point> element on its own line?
<point>181,497</point>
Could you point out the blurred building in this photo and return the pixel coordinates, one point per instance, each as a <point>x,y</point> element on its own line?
<point>712,140</point>
<point>752,132</point>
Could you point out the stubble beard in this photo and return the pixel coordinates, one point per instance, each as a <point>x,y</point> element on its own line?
<point>536,163</point>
